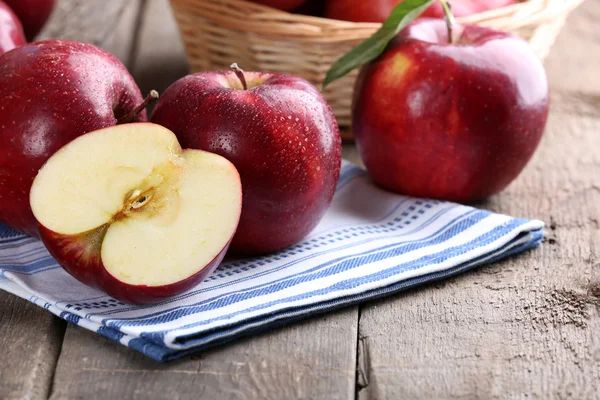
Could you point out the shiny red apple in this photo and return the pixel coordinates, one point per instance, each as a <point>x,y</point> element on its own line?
<point>125,210</point>
<point>11,31</point>
<point>52,92</point>
<point>379,10</point>
<point>451,121</point>
<point>33,14</point>
<point>285,5</point>
<point>281,135</point>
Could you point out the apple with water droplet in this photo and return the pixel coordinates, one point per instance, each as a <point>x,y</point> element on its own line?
<point>455,119</point>
<point>281,135</point>
<point>52,92</point>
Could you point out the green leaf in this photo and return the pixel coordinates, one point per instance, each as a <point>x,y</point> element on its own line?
<point>403,14</point>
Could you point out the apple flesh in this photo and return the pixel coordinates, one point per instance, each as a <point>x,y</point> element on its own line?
<point>11,31</point>
<point>33,14</point>
<point>379,10</point>
<point>281,135</point>
<point>52,92</point>
<point>127,211</point>
<point>450,121</point>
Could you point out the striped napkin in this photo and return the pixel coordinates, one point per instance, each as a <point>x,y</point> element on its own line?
<point>371,243</point>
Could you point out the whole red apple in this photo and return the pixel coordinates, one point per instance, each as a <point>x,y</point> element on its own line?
<point>52,92</point>
<point>285,5</point>
<point>33,14</point>
<point>281,135</point>
<point>451,121</point>
<point>379,10</point>
<point>11,31</point>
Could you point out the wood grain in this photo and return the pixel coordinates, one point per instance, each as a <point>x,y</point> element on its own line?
<point>109,24</point>
<point>159,57</point>
<point>310,360</point>
<point>526,327</point>
<point>30,340</point>
<point>84,20</point>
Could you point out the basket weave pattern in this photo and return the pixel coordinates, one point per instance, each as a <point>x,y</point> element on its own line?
<point>219,32</point>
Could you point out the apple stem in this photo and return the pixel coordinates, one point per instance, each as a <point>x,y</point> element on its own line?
<point>152,96</point>
<point>240,74</point>
<point>450,21</point>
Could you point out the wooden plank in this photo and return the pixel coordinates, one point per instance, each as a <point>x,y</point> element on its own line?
<point>525,327</point>
<point>120,40</point>
<point>310,360</point>
<point>84,20</point>
<point>574,60</point>
<point>159,58</point>
<point>108,24</point>
<point>30,340</point>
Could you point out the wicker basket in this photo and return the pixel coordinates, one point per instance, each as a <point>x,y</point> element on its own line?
<point>219,32</point>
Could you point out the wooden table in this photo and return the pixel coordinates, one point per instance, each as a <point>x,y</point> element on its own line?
<point>528,327</point>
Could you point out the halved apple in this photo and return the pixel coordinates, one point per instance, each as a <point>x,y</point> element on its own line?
<point>127,211</point>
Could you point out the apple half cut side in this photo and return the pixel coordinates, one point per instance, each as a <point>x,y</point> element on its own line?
<point>127,211</point>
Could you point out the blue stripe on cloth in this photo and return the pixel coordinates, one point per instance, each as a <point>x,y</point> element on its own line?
<point>373,252</point>
<point>431,259</point>
<point>450,230</point>
<point>201,342</point>
<point>266,260</point>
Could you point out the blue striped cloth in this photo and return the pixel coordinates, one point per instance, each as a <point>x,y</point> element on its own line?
<point>371,243</point>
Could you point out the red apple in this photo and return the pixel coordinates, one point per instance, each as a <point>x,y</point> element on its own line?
<point>451,121</point>
<point>11,31</point>
<point>285,5</point>
<point>314,8</point>
<point>52,92</point>
<point>33,14</point>
<point>127,211</point>
<point>281,135</point>
<point>379,10</point>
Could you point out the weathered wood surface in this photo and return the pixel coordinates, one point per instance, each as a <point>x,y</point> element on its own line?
<point>527,327</point>
<point>312,360</point>
<point>30,341</point>
<point>30,337</point>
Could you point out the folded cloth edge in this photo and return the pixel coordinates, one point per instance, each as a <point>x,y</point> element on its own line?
<point>192,344</point>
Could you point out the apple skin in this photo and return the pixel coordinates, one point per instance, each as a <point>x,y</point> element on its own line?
<point>80,256</point>
<point>313,8</point>
<point>282,137</point>
<point>285,5</point>
<point>11,31</point>
<point>52,92</point>
<point>379,10</point>
<point>33,14</point>
<point>453,122</point>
